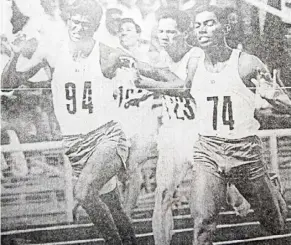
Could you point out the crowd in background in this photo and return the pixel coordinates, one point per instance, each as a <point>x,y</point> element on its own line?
<point>39,25</point>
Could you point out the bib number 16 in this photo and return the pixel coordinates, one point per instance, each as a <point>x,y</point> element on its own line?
<point>227,113</point>
<point>87,104</point>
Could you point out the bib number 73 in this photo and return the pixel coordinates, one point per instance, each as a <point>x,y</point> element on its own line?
<point>87,104</point>
<point>227,113</point>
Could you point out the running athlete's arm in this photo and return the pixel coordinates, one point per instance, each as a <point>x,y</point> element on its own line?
<point>254,73</point>
<point>158,74</point>
<point>110,60</point>
<point>173,88</point>
<point>11,78</point>
<point>166,82</point>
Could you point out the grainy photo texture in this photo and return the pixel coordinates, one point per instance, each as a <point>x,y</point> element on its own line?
<point>146,122</point>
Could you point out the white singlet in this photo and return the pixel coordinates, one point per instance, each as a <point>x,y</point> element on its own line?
<point>135,106</point>
<point>178,131</point>
<point>82,96</point>
<point>178,109</point>
<point>225,105</point>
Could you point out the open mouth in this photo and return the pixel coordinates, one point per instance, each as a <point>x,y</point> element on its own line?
<point>75,35</point>
<point>164,43</point>
<point>203,39</point>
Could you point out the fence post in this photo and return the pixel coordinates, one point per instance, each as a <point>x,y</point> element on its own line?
<point>69,188</point>
<point>274,153</point>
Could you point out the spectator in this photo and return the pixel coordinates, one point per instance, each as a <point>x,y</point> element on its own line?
<point>148,10</point>
<point>131,10</point>
<point>108,31</point>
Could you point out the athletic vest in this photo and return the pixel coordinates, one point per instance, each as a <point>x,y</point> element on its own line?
<point>225,105</point>
<point>82,96</point>
<point>135,106</point>
<point>178,109</point>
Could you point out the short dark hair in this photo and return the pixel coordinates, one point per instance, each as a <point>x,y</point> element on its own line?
<point>130,20</point>
<point>86,7</point>
<point>220,13</point>
<point>182,18</point>
<point>113,11</point>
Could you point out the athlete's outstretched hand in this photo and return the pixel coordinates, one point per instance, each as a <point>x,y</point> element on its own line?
<point>266,85</point>
<point>126,62</point>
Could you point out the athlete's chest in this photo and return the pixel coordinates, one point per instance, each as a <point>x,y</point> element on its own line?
<point>79,85</point>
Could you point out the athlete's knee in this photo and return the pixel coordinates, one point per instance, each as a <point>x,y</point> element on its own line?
<point>273,208</point>
<point>203,229</point>
<point>203,212</point>
<point>164,197</point>
<point>81,192</point>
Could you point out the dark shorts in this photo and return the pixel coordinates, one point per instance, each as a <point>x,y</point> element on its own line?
<point>230,158</point>
<point>81,147</point>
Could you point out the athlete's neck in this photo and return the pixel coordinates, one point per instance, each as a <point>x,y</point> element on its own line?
<point>82,49</point>
<point>217,54</point>
<point>132,49</point>
<point>178,54</point>
<point>217,58</point>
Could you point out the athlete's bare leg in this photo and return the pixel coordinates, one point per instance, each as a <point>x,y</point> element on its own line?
<point>112,200</point>
<point>208,193</point>
<point>141,151</point>
<point>169,174</point>
<point>104,163</point>
<point>132,188</point>
<point>270,205</point>
<point>237,201</point>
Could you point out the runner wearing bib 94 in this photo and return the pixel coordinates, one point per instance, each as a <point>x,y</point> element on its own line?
<point>83,103</point>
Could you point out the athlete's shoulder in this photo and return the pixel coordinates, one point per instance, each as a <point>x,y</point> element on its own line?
<point>196,52</point>
<point>195,55</point>
<point>248,65</point>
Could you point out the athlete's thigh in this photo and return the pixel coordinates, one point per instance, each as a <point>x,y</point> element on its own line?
<point>208,192</point>
<point>106,161</point>
<point>268,202</point>
<point>165,170</point>
<point>142,147</point>
<point>208,188</point>
<point>103,164</point>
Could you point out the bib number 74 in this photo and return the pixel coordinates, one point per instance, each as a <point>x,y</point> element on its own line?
<point>227,113</point>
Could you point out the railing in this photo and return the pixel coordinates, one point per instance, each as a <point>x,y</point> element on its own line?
<point>33,193</point>
<point>273,139</point>
<point>57,146</point>
<point>283,14</point>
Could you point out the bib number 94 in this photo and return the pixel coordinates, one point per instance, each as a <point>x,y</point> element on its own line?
<point>71,97</point>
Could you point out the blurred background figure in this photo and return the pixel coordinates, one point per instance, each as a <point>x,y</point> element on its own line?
<point>148,10</point>
<point>108,31</point>
<point>131,10</point>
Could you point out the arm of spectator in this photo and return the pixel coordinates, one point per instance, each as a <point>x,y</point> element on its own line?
<point>266,85</point>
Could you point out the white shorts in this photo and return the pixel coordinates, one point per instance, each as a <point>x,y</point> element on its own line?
<point>175,147</point>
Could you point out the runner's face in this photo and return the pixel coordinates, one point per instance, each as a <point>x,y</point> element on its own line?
<point>128,35</point>
<point>208,30</point>
<point>168,32</point>
<point>80,27</point>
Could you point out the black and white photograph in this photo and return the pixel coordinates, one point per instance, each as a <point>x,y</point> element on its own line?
<point>145,122</point>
